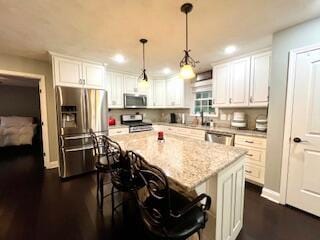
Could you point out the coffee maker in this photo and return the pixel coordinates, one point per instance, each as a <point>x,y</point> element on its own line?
<point>173,118</point>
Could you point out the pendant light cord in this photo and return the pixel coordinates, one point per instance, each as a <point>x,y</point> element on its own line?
<point>144,67</point>
<point>187,47</point>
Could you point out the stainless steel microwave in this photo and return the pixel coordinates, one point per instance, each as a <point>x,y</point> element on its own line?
<point>135,101</point>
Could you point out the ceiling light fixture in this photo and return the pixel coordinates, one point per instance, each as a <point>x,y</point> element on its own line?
<point>143,78</point>
<point>187,63</point>
<point>230,49</point>
<point>119,58</point>
<point>166,70</point>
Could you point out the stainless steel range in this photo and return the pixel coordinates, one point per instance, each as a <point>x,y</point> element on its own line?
<point>135,123</point>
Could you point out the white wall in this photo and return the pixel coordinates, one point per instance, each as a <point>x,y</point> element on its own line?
<point>283,41</point>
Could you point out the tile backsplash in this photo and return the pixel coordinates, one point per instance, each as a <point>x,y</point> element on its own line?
<point>163,115</point>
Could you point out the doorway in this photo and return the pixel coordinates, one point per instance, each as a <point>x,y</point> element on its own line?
<point>42,127</point>
<point>300,179</point>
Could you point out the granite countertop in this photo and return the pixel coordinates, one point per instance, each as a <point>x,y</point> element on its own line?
<point>187,162</point>
<point>251,133</point>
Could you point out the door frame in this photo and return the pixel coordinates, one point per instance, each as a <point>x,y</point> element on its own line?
<point>288,118</point>
<point>43,111</point>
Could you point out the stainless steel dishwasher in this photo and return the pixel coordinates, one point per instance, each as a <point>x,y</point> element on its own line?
<point>220,137</point>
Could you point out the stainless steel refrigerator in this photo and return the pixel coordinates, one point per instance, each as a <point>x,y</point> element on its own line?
<point>79,110</point>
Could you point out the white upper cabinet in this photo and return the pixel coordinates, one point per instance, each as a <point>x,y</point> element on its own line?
<point>67,72</point>
<point>175,92</point>
<point>93,75</point>
<point>242,82</point>
<point>130,84</point>
<point>73,72</point>
<point>159,93</point>
<point>115,89</point>
<point>221,76</point>
<point>239,82</point>
<point>259,81</point>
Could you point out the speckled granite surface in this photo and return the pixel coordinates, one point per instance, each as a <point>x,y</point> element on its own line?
<point>251,133</point>
<point>185,161</point>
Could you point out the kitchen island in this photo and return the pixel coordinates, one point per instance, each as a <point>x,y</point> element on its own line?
<point>194,167</point>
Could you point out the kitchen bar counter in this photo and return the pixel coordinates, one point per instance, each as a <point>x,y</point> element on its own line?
<point>251,133</point>
<point>187,162</point>
<point>194,167</point>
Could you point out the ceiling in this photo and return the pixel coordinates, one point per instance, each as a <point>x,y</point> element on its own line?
<point>8,80</point>
<point>98,29</point>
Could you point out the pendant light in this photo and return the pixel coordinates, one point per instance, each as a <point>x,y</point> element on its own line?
<point>187,63</point>
<point>143,78</point>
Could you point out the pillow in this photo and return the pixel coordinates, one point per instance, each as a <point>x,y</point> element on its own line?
<point>15,121</point>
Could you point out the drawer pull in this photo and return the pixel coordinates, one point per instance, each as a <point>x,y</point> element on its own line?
<point>247,171</point>
<point>249,141</point>
<point>249,155</point>
<point>119,131</point>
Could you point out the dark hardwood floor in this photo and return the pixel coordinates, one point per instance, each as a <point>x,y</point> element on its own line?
<point>36,204</point>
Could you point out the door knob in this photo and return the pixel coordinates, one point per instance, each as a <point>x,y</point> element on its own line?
<point>298,140</point>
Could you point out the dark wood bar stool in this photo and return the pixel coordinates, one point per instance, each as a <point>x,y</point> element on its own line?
<point>165,213</point>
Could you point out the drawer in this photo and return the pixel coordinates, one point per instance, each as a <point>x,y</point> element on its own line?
<point>118,131</point>
<point>254,155</point>
<point>251,141</point>
<point>254,173</point>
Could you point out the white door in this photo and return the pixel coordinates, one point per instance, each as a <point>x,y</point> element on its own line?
<point>130,84</point>
<point>239,82</point>
<point>259,80</point>
<point>67,72</point>
<point>116,90</point>
<point>303,190</point>
<point>159,93</point>
<point>221,90</point>
<point>93,75</point>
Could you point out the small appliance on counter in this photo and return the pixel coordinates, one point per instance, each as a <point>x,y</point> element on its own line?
<point>173,118</point>
<point>239,120</point>
<point>112,121</point>
<point>261,123</point>
<point>135,123</point>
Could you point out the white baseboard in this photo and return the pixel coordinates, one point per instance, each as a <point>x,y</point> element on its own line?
<point>52,165</point>
<point>270,195</point>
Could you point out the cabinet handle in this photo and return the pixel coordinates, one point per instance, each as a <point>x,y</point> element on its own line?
<point>135,89</point>
<point>247,171</point>
<point>249,155</point>
<point>213,101</point>
<point>230,100</point>
<point>80,81</point>
<point>119,131</point>
<point>154,103</point>
<point>83,81</point>
<point>249,141</point>
<point>251,99</point>
<point>113,102</point>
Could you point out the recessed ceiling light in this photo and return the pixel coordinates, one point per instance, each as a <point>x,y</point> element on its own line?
<point>119,58</point>
<point>166,70</point>
<point>230,49</point>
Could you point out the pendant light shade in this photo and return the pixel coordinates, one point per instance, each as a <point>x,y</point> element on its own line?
<point>143,80</point>
<point>187,64</point>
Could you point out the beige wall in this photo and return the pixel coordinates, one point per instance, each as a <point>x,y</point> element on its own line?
<point>20,64</point>
<point>294,37</point>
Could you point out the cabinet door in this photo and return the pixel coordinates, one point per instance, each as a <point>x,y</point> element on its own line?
<point>130,84</point>
<point>221,76</point>
<point>239,82</point>
<point>175,90</point>
<point>159,93</point>
<point>115,90</point>
<point>259,81</point>
<point>93,75</point>
<point>67,72</point>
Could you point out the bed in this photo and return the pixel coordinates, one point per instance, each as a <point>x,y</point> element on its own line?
<point>15,131</point>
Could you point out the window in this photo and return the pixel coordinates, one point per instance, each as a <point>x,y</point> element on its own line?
<point>203,103</point>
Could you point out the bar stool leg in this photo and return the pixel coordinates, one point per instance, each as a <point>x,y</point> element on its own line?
<point>112,202</point>
<point>101,191</point>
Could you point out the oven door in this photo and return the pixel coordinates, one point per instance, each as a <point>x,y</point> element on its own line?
<point>135,101</point>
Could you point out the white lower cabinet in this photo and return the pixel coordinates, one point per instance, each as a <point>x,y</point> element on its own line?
<point>255,157</point>
<point>118,131</point>
<point>181,131</point>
